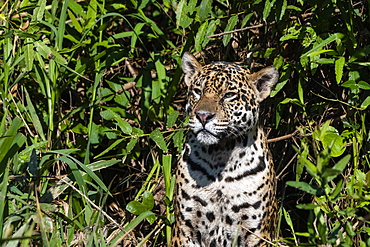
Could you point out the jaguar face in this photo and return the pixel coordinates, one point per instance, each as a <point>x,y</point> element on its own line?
<point>223,98</point>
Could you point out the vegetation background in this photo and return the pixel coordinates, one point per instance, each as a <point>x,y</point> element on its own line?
<point>91,119</point>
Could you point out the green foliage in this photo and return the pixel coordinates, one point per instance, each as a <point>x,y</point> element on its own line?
<point>74,106</point>
<point>92,118</point>
<point>139,208</point>
<point>335,213</point>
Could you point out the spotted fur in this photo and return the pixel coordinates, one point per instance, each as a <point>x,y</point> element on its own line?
<point>225,188</point>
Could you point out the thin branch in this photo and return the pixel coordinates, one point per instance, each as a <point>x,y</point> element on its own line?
<point>280,138</point>
<point>337,100</point>
<point>251,27</point>
<point>287,165</point>
<point>133,71</point>
<point>129,85</point>
<point>96,207</point>
<point>258,236</point>
<point>2,7</point>
<point>237,30</point>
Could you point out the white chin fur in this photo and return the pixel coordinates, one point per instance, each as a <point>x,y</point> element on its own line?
<point>206,138</point>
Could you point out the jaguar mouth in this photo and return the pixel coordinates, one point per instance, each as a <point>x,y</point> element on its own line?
<point>205,132</point>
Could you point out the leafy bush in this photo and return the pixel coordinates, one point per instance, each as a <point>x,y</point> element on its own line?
<point>92,123</point>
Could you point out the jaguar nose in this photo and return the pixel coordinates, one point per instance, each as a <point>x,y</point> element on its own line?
<point>204,116</point>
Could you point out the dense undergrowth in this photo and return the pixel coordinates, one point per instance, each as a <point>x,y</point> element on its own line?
<point>92,120</point>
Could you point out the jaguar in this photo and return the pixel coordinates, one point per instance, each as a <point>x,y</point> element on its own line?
<point>225,181</point>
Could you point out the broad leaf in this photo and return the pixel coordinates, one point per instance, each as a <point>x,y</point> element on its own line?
<point>158,138</point>
<point>135,207</point>
<point>331,173</point>
<point>148,200</point>
<point>314,190</point>
<point>200,36</point>
<point>339,64</point>
<point>204,9</point>
<point>229,27</point>
<point>171,118</point>
<point>365,103</point>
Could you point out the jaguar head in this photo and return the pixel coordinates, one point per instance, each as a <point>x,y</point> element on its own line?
<point>223,98</point>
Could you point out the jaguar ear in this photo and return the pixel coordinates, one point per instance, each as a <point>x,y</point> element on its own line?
<point>190,66</point>
<point>264,80</point>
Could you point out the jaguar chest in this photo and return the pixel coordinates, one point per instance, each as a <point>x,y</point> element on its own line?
<point>224,191</point>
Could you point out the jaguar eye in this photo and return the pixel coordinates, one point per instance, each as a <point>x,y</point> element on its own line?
<point>198,91</point>
<point>229,95</point>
